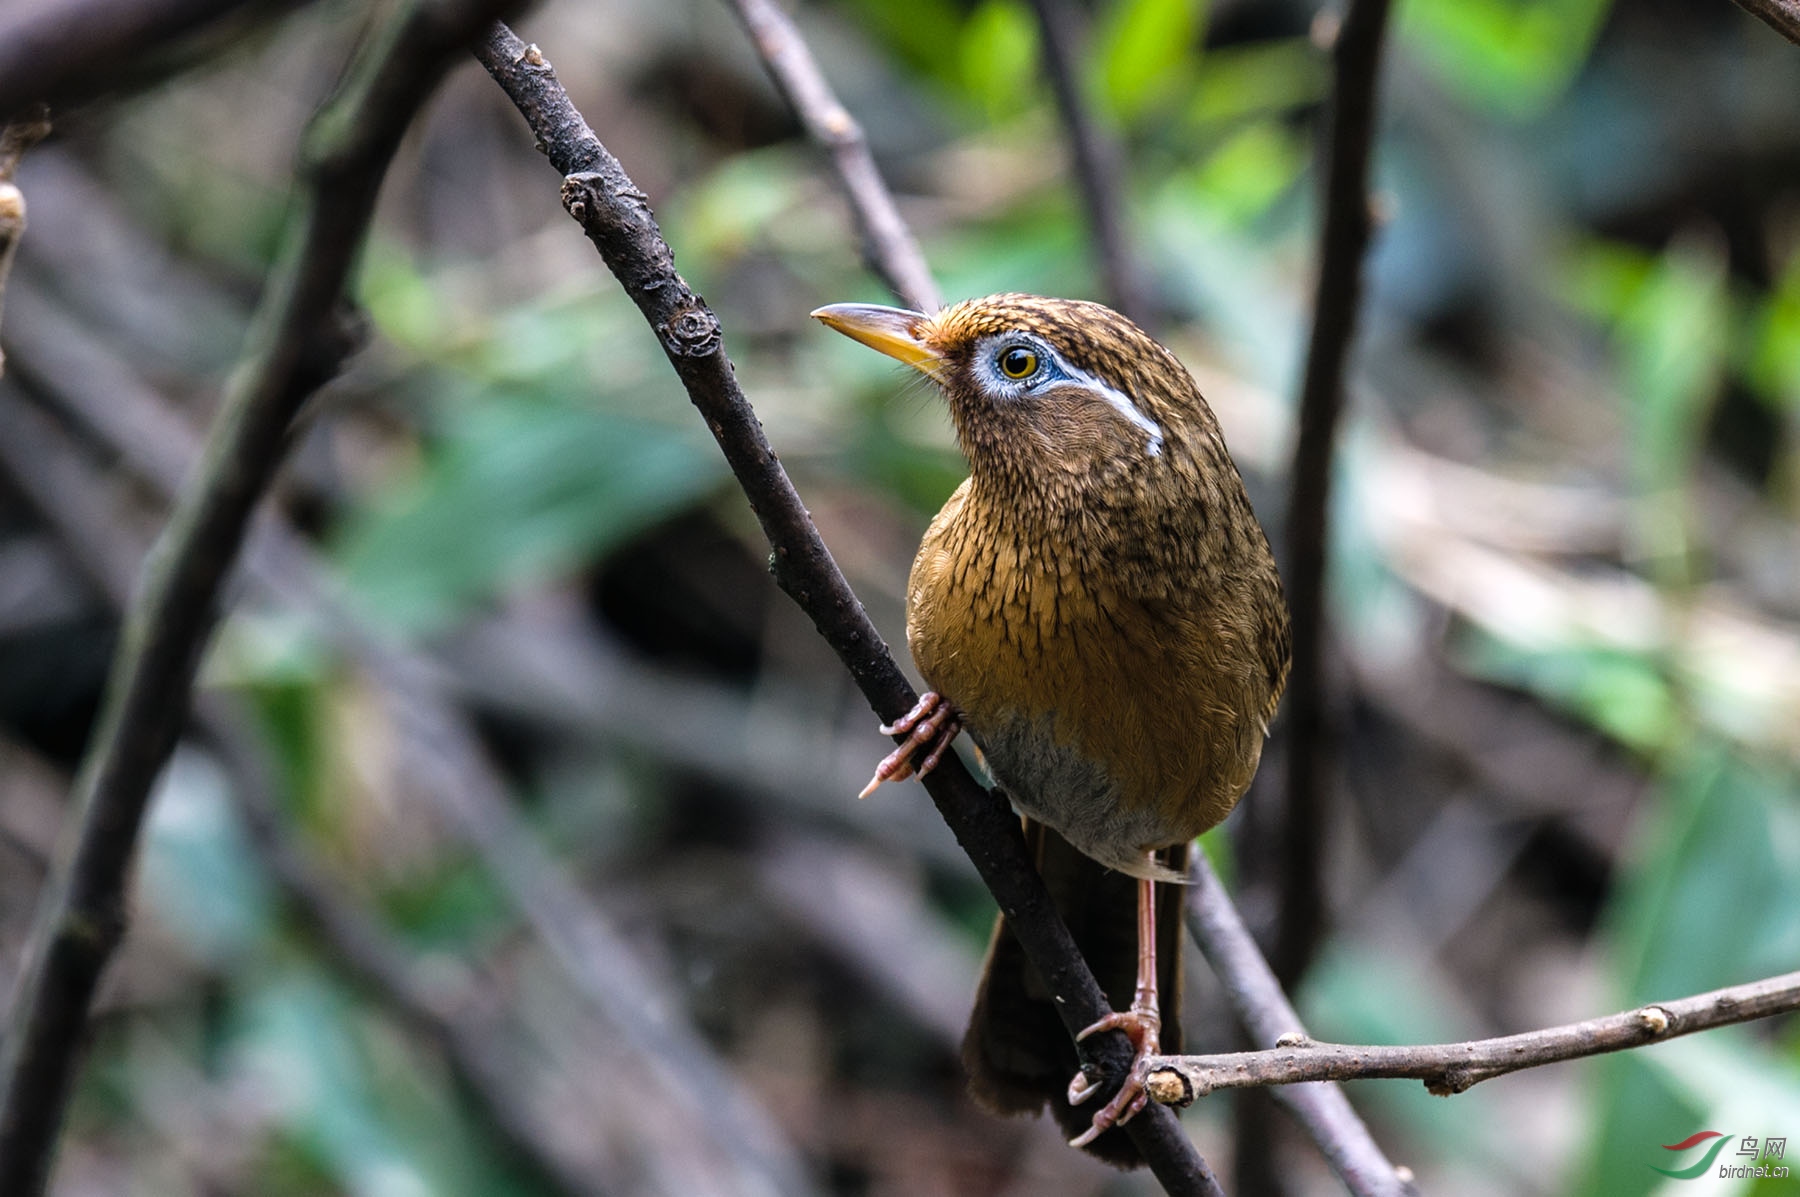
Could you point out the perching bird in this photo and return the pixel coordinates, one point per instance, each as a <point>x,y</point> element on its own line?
<point>1098,607</point>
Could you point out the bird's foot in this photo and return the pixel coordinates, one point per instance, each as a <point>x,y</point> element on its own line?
<point>929,728</point>
<point>1144,1028</point>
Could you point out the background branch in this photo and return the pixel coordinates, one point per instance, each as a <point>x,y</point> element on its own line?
<point>1322,1110</point>
<point>613,212</point>
<point>1099,174</point>
<point>1344,235</point>
<point>888,245</point>
<point>296,345</point>
<point>66,50</point>
<point>1449,1068</point>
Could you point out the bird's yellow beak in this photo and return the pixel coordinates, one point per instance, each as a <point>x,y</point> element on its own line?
<point>893,331</point>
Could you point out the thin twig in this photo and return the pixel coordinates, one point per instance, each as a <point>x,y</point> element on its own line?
<point>1783,16</point>
<point>1450,1068</point>
<point>296,345</point>
<point>1322,1110</point>
<point>1344,236</point>
<point>888,244</point>
<point>613,212</point>
<point>1099,174</point>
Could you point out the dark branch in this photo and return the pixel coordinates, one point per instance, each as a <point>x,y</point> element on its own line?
<point>888,244</point>
<point>1344,236</point>
<point>296,344</point>
<point>72,49</point>
<point>1783,16</point>
<point>1099,175</point>
<point>613,212</point>
<point>1450,1068</point>
<point>1322,1111</point>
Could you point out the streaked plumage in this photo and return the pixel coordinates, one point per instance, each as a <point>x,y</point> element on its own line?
<point>1100,606</point>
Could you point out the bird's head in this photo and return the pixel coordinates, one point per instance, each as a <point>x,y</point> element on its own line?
<point>1044,390</point>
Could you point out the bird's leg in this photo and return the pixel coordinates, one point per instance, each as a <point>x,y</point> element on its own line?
<point>929,728</point>
<point>1142,1025</point>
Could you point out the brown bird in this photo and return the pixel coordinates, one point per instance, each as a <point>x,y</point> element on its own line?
<point>1097,605</point>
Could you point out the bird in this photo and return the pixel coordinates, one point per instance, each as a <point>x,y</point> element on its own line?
<point>1098,608</point>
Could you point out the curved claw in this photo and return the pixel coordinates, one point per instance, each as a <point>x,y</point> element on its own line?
<point>929,729</point>
<point>1144,1029</point>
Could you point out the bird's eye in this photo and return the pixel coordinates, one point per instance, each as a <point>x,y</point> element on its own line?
<point>1018,362</point>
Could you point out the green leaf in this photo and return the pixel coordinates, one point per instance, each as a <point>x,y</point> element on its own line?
<point>1258,79</point>
<point>1249,172</point>
<point>1774,358</point>
<point>1670,318</point>
<point>999,58</point>
<point>355,1100</point>
<point>1706,900</point>
<point>918,31</point>
<point>1145,50</point>
<point>1512,58</point>
<point>521,487</point>
<point>1621,693</point>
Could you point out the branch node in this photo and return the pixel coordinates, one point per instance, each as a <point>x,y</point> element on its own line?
<point>1451,1081</point>
<point>1171,1087</point>
<point>691,332</point>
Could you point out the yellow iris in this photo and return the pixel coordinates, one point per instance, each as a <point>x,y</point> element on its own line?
<point>1018,362</point>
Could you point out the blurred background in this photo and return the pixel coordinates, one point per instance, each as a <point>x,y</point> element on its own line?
<point>515,848</point>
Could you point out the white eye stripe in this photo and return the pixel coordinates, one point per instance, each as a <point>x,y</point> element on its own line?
<point>1052,363</point>
<point>1121,403</point>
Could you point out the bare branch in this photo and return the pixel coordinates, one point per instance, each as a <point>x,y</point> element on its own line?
<point>297,343</point>
<point>1322,1110</point>
<point>1099,175</point>
<point>888,244</point>
<point>1449,1068</point>
<point>1783,16</point>
<point>1343,237</point>
<point>613,212</point>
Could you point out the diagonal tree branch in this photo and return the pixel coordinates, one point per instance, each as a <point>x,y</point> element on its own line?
<point>296,344</point>
<point>1344,235</point>
<point>888,244</point>
<point>1321,1110</point>
<point>617,218</point>
<point>1449,1068</point>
